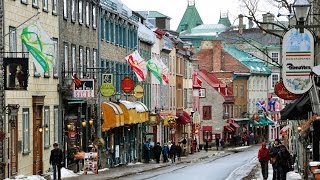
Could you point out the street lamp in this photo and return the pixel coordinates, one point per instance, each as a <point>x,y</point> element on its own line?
<point>301,9</point>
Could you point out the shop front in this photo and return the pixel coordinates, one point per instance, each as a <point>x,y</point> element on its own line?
<point>122,126</point>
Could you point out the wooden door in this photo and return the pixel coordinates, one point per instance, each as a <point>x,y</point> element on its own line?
<point>13,149</point>
<point>37,140</point>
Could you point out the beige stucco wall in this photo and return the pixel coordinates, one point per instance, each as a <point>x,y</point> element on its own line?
<point>15,14</point>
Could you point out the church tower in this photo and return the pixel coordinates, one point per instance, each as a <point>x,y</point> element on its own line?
<point>190,19</point>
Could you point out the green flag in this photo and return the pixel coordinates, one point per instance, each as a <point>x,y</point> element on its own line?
<point>39,45</point>
<point>154,67</point>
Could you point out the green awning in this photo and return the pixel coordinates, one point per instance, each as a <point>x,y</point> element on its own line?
<point>255,123</point>
<point>263,121</point>
<point>270,122</point>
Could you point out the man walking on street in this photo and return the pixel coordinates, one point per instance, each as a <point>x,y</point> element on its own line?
<point>263,156</point>
<point>55,161</point>
<point>157,152</point>
<point>273,152</point>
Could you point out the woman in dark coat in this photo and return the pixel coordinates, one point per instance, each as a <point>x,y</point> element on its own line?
<point>173,152</point>
<point>283,162</point>
<point>157,152</point>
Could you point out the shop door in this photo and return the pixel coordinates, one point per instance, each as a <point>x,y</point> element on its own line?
<point>13,149</point>
<point>37,140</point>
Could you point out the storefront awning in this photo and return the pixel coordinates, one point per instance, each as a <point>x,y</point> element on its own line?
<point>234,125</point>
<point>130,112</point>
<point>112,116</point>
<point>183,118</point>
<point>142,111</point>
<point>228,128</point>
<point>254,123</point>
<point>297,109</point>
<point>263,121</point>
<point>270,121</point>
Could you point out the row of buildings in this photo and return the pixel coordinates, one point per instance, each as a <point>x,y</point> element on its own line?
<point>219,83</point>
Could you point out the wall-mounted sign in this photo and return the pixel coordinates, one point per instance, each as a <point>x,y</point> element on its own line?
<point>283,93</point>
<point>86,90</point>
<point>127,84</point>
<point>107,89</point>
<point>138,91</point>
<point>15,73</point>
<point>298,60</point>
<point>107,78</point>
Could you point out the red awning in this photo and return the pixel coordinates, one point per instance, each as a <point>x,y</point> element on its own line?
<point>207,128</point>
<point>196,81</point>
<point>228,128</point>
<point>183,118</point>
<point>234,125</point>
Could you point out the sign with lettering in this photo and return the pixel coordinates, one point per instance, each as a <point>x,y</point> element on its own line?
<point>283,93</point>
<point>298,60</point>
<point>86,90</point>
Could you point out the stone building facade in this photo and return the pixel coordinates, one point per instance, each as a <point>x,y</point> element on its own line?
<point>32,116</point>
<point>78,54</point>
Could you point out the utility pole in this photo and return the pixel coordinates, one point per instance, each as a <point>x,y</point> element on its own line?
<point>2,107</point>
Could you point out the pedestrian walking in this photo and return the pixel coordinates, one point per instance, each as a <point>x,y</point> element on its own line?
<point>179,151</point>
<point>217,143</point>
<point>157,152</point>
<point>147,148</point>
<point>165,153</point>
<point>263,156</point>
<point>273,152</point>
<point>222,143</point>
<point>206,146</point>
<point>173,152</point>
<point>56,160</point>
<point>284,162</point>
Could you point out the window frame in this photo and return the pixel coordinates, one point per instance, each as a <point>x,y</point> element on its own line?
<point>56,56</point>
<point>275,58</point>
<point>25,131</point>
<point>94,16</point>
<point>207,109</point>
<point>46,129</point>
<point>45,5</point>
<point>66,59</point>
<point>56,123</point>
<point>35,3</point>
<point>95,51</point>
<point>80,11</point>
<point>87,62</point>
<point>54,7</point>
<point>13,41</point>
<point>73,58</point>
<point>87,13</point>
<point>273,84</point>
<point>81,61</point>
<point>73,10</point>
<point>24,2</point>
<point>65,9</point>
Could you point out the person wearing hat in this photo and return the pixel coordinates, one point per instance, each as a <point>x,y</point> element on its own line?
<point>56,160</point>
<point>263,157</point>
<point>273,152</point>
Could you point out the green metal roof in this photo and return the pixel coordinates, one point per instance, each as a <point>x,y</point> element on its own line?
<point>190,19</point>
<point>156,14</point>
<point>225,21</point>
<point>256,65</point>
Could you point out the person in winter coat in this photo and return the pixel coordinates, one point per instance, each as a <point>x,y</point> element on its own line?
<point>263,157</point>
<point>173,152</point>
<point>283,162</point>
<point>273,152</point>
<point>179,151</point>
<point>157,152</point>
<point>147,149</point>
<point>56,160</point>
<point>165,153</point>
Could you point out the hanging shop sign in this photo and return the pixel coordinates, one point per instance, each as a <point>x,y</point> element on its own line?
<point>283,93</point>
<point>298,60</point>
<point>107,89</point>
<point>127,84</point>
<point>85,90</point>
<point>138,91</point>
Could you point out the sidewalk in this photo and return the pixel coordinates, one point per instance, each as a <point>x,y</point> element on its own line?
<point>258,175</point>
<point>126,170</point>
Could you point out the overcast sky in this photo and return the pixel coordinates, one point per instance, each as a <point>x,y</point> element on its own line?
<point>209,10</point>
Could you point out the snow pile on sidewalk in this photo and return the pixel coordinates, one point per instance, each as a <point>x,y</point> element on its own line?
<point>132,164</point>
<point>34,177</point>
<point>66,173</point>
<point>293,176</point>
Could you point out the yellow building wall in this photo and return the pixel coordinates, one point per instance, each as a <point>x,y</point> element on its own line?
<point>15,14</point>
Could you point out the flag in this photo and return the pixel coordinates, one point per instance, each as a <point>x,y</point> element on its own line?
<point>155,68</point>
<point>138,65</point>
<point>164,72</point>
<point>40,46</point>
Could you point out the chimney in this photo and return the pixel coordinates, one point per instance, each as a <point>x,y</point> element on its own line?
<point>240,23</point>
<point>216,56</point>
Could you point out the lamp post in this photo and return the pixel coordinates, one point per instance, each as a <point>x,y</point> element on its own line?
<point>301,9</point>
<point>192,131</point>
